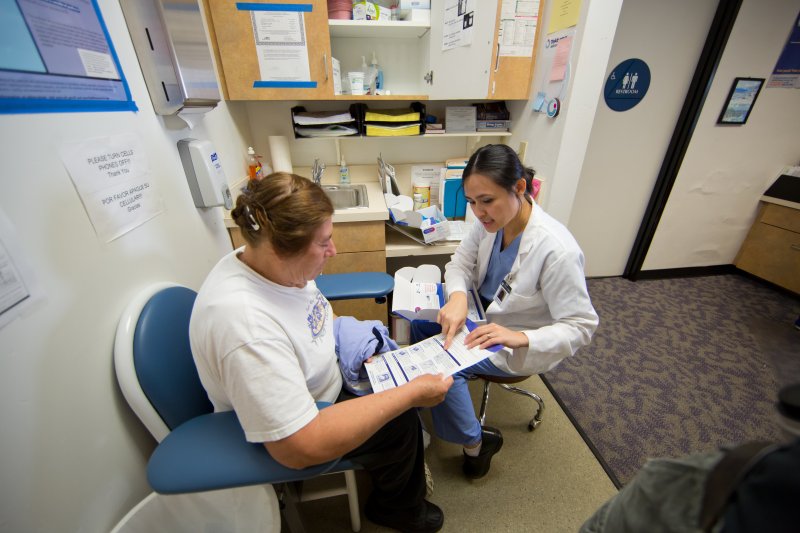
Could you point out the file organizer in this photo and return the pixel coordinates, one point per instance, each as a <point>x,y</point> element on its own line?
<point>492,116</point>
<point>394,122</point>
<point>326,123</point>
<point>454,203</point>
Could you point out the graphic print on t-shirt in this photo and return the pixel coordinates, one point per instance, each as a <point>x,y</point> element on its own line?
<point>317,315</point>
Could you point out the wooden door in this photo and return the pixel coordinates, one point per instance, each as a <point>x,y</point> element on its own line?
<point>510,76</point>
<point>233,39</point>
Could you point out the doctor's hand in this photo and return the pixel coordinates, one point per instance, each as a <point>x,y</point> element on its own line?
<point>453,316</point>
<point>430,389</point>
<point>491,334</point>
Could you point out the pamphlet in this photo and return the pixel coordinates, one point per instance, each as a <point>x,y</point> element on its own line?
<point>392,369</point>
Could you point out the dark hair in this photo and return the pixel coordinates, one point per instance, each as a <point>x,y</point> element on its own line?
<point>283,209</point>
<point>501,164</point>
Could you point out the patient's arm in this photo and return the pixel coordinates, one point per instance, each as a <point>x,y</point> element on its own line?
<point>344,426</point>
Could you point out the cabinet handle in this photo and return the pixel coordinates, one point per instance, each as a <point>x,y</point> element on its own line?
<point>497,59</point>
<point>796,247</point>
<point>325,65</point>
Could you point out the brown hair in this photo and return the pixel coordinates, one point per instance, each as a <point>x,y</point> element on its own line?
<point>283,209</point>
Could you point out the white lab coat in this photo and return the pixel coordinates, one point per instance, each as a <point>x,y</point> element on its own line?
<point>548,302</point>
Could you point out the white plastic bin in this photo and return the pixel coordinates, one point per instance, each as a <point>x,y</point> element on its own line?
<point>239,510</point>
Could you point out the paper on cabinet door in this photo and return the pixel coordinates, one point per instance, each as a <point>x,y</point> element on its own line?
<point>281,45</point>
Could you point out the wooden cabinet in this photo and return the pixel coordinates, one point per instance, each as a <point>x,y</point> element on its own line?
<point>771,250</point>
<point>410,53</point>
<point>233,41</point>
<point>360,247</point>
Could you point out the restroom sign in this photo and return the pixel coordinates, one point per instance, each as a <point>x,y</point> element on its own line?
<point>627,84</point>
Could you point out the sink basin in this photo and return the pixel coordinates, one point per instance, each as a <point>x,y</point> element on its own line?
<point>347,196</point>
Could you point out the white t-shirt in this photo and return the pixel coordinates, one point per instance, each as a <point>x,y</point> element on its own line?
<point>264,350</point>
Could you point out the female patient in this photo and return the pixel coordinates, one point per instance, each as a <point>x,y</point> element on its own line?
<point>529,273</point>
<point>262,338</point>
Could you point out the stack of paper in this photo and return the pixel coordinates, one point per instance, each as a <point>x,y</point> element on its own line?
<point>381,130</point>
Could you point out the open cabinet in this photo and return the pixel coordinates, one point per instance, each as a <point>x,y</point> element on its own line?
<point>410,53</point>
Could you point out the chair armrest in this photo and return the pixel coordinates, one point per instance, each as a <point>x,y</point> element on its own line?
<point>210,452</point>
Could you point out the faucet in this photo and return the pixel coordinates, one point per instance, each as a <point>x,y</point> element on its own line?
<point>316,171</point>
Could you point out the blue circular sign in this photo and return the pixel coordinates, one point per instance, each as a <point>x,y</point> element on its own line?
<point>627,84</point>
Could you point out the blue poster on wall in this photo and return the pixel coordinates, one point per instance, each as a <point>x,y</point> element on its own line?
<point>786,73</point>
<point>627,84</point>
<point>57,56</point>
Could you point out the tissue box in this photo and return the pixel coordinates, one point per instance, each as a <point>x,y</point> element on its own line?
<point>430,221</point>
<point>419,296</point>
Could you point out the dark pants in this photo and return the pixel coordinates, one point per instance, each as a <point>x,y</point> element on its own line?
<point>395,460</point>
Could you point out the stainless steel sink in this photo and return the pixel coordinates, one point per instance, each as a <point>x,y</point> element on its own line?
<point>347,196</point>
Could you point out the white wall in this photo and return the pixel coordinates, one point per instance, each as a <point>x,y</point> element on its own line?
<point>73,455</point>
<point>625,149</point>
<point>727,168</point>
<point>557,146</point>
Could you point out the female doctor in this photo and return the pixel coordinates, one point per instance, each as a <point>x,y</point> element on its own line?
<point>529,272</point>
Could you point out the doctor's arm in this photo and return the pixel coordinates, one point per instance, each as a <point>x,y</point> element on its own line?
<point>563,285</point>
<point>458,274</point>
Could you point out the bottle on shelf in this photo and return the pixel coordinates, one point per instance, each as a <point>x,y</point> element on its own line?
<point>375,76</point>
<point>254,168</point>
<point>344,173</point>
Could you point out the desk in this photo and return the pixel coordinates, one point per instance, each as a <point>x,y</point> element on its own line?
<point>398,245</point>
<point>771,250</point>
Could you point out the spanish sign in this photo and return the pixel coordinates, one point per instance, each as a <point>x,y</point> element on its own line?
<point>627,84</point>
<point>113,178</point>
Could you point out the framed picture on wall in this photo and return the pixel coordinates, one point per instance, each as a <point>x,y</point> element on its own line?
<point>740,101</point>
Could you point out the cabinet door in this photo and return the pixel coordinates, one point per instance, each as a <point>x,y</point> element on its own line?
<point>233,38</point>
<point>461,72</point>
<point>510,76</point>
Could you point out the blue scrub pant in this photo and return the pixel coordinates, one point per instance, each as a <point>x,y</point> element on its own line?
<point>454,419</point>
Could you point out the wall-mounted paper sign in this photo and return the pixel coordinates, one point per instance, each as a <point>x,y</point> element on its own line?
<point>19,289</point>
<point>113,178</point>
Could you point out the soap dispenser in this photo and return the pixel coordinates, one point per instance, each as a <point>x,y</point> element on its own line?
<point>344,173</point>
<point>375,76</point>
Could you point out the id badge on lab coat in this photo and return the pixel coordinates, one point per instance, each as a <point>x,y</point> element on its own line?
<point>502,291</point>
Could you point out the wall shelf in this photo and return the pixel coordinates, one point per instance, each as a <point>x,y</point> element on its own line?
<point>478,134</point>
<point>472,139</point>
<point>383,29</point>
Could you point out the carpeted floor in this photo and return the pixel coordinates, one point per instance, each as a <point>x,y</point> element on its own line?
<point>679,366</point>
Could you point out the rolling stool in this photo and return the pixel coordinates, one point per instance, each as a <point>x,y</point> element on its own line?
<point>507,384</point>
<point>355,285</point>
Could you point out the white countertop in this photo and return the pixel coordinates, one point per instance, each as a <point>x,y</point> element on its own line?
<point>376,211</point>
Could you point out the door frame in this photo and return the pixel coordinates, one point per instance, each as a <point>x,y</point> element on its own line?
<point>716,40</point>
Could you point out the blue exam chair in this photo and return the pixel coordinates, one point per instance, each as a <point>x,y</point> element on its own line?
<point>198,450</point>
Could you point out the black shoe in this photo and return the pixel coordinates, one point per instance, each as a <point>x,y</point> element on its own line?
<point>477,467</point>
<point>428,518</point>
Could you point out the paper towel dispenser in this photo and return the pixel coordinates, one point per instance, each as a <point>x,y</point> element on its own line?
<point>170,42</point>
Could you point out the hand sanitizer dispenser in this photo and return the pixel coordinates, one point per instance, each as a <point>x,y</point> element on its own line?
<point>204,173</point>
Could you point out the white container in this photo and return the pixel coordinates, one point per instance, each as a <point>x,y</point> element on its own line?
<point>336,68</point>
<point>356,80</point>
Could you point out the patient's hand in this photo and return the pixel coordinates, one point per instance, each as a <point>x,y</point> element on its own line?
<point>430,389</point>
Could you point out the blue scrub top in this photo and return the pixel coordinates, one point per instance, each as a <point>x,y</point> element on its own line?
<point>500,263</point>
